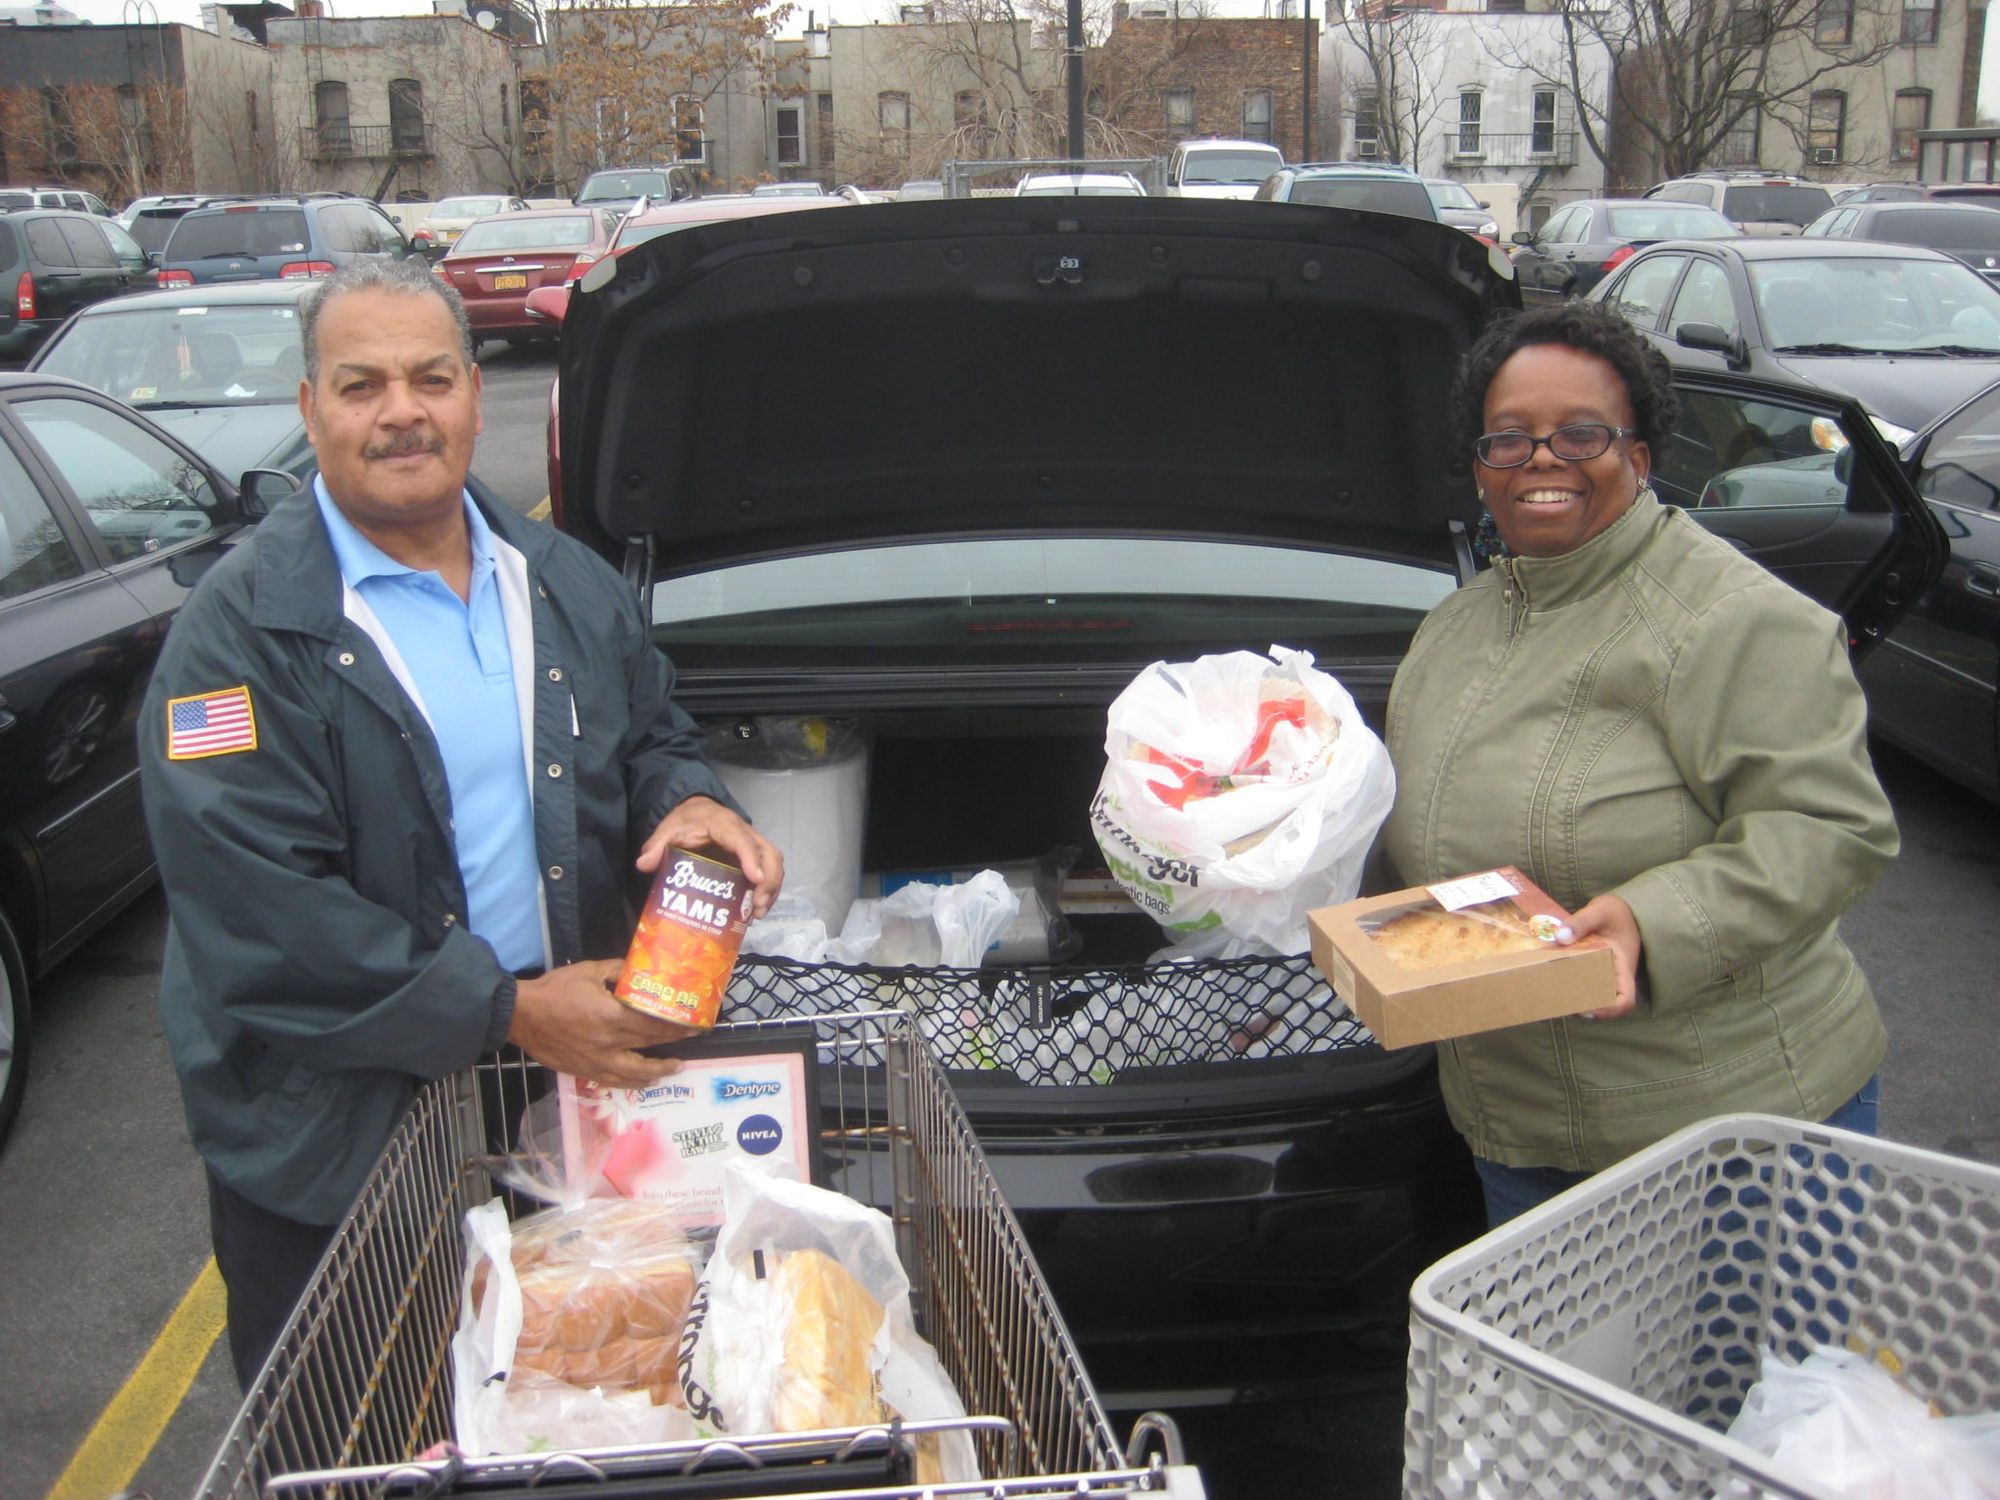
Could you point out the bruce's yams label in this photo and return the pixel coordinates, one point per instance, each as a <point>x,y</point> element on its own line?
<point>681,956</point>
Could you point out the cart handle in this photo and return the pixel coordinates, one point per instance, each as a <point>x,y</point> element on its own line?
<point>1155,1424</point>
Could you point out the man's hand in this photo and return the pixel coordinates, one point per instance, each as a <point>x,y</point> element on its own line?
<point>1609,918</point>
<point>703,820</point>
<point>569,1020</point>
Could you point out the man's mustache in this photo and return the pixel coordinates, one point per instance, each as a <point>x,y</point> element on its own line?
<point>399,447</point>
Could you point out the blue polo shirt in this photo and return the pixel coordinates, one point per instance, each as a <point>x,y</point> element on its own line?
<point>458,656</point>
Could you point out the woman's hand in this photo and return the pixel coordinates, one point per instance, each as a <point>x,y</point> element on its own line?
<point>703,820</point>
<point>1609,918</point>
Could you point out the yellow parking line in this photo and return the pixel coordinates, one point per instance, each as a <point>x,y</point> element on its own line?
<point>127,1429</point>
<point>541,510</point>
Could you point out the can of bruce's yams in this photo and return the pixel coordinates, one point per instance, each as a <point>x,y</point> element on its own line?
<point>689,933</point>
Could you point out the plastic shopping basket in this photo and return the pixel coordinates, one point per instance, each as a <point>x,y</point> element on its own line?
<point>1600,1344</point>
<point>360,1383</point>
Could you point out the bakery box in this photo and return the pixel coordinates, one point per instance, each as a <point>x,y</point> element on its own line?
<point>1465,955</point>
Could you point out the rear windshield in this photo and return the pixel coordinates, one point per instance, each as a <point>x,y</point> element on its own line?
<point>467,208</point>
<point>1775,203</point>
<point>607,185</point>
<point>1451,195</point>
<point>1406,198</point>
<point>512,232</point>
<point>17,200</point>
<point>154,226</point>
<point>262,231</point>
<point>1240,168</point>
<point>1667,222</point>
<point>1951,228</point>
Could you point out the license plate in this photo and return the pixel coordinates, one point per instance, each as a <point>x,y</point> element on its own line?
<point>509,283</point>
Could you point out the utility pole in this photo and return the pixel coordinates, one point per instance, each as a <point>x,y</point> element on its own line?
<point>1075,22</point>
<point>1306,83</point>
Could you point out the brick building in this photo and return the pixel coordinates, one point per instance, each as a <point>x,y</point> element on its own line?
<point>1162,76</point>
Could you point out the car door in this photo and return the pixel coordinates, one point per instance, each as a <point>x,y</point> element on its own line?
<point>1703,296</point>
<point>1534,262</point>
<point>1642,290</point>
<point>1934,687</point>
<point>99,273</point>
<point>58,279</point>
<point>1802,482</point>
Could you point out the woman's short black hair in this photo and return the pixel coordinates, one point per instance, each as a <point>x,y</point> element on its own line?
<point>1590,326</point>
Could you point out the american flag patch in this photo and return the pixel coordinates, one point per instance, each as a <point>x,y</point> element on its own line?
<point>210,724</point>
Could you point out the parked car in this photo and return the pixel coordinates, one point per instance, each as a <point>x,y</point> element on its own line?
<point>788,190</point>
<point>106,525</point>
<point>497,262</point>
<point>1906,332</point>
<point>151,220</point>
<point>1979,194</point>
<point>449,217</point>
<point>218,367</point>
<point>1457,207</point>
<point>1756,202</point>
<point>1584,241</point>
<point>1227,1185</point>
<point>1960,230</point>
<point>626,185</point>
<point>1380,190</point>
<point>919,188</point>
<point>1079,185</point>
<point>1220,169</point>
<point>276,238</point>
<point>74,199</point>
<point>53,261</point>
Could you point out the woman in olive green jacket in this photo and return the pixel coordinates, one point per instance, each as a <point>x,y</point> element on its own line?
<point>1667,739</point>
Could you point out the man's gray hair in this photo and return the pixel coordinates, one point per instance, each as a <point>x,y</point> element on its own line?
<point>381,274</point>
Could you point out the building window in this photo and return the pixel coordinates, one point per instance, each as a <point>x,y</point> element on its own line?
<point>1538,215</point>
<point>823,113</point>
<point>1826,127</point>
<point>690,130</point>
<point>1179,105</point>
<point>1542,135</point>
<point>892,113</point>
<point>330,116</point>
<point>61,123</point>
<point>791,144</point>
<point>250,109</point>
<point>1749,26</point>
<point>1834,24</point>
<point>506,120</point>
<point>1367,127</point>
<point>534,107</point>
<point>1256,114</point>
<point>132,127</point>
<point>406,114</point>
<point>1913,113</point>
<point>1738,147</point>
<point>1920,21</point>
<point>1469,104</point>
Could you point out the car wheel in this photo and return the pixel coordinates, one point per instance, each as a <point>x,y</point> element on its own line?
<point>15,1028</point>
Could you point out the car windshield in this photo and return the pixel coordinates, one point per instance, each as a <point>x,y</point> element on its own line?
<point>1874,305</point>
<point>615,185</point>
<point>1238,168</point>
<point>517,232</point>
<point>1775,203</point>
<point>1371,194</point>
<point>249,232</point>
<point>1039,600</point>
<point>1665,221</point>
<point>1451,195</point>
<point>466,208</point>
<point>1940,228</point>
<point>176,356</point>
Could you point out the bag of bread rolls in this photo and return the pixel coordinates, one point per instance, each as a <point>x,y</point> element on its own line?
<point>808,1325</point>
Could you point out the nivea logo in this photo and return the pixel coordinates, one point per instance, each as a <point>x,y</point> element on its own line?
<point>760,1135</point>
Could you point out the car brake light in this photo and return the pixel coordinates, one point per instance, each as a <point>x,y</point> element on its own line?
<point>1617,257</point>
<point>174,278</point>
<point>24,294</point>
<point>582,263</point>
<point>300,270</point>
<point>241,208</point>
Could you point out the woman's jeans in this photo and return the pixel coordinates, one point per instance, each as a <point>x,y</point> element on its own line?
<point>1512,1191</point>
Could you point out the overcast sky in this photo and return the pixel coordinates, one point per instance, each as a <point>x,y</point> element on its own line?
<point>849,12</point>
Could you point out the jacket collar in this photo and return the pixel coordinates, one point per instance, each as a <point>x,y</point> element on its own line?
<point>1551,582</point>
<point>297,576</point>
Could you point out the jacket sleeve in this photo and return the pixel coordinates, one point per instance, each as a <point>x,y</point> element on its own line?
<point>252,851</point>
<point>1768,728</point>
<point>662,754</point>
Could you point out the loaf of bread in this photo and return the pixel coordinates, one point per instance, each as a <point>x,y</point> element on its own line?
<point>1432,939</point>
<point>827,1379</point>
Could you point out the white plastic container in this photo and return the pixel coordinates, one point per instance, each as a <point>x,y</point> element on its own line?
<point>804,783</point>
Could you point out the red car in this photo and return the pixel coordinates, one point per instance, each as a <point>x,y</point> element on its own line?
<point>500,259</point>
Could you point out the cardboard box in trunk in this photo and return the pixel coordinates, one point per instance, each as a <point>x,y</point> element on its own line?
<point>1452,980</point>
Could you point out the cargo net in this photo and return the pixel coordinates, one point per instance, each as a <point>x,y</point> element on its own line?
<point>1073,1027</point>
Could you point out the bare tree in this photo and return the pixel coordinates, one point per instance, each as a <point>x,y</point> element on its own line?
<point>1391,74</point>
<point>120,141</point>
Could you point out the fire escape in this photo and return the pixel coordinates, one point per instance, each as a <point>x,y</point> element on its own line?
<point>333,137</point>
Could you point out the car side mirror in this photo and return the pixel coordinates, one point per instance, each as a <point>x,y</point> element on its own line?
<point>433,252</point>
<point>549,302</point>
<point>1712,338</point>
<point>1843,464</point>
<point>1482,202</point>
<point>260,489</point>
<point>1522,236</point>
<point>156,258</point>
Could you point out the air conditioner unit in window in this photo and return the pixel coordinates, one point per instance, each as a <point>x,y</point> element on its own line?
<point>1825,156</point>
<point>1367,150</point>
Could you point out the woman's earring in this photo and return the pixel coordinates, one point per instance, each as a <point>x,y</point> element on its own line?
<point>1482,496</point>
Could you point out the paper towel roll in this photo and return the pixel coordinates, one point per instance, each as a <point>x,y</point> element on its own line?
<point>815,815</point>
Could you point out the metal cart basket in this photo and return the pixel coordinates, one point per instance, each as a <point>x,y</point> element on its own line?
<point>361,1381</point>
<point>1600,1344</point>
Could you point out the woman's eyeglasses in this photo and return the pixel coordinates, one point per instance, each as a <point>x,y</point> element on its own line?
<point>1572,444</point>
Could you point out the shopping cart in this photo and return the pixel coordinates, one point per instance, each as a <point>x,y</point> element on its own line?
<point>360,1384</point>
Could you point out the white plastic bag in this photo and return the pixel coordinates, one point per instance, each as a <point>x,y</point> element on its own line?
<point>1839,1419</point>
<point>1239,793</point>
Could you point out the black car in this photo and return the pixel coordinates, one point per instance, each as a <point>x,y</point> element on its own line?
<point>1963,231</point>
<point>276,239</point>
<point>106,525</point>
<point>151,220</point>
<point>1373,189</point>
<point>971,543</point>
<point>1583,242</point>
<point>53,261</point>
<point>1906,332</point>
